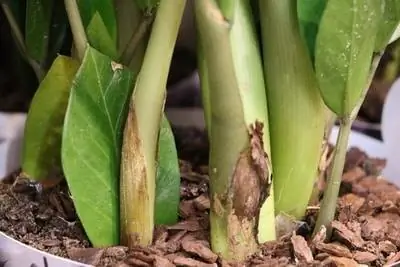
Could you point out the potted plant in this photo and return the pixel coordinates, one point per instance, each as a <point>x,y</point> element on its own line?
<point>273,73</point>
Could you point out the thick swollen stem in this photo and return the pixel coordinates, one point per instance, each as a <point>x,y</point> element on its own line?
<point>328,205</point>
<point>296,110</point>
<point>241,211</point>
<point>138,165</point>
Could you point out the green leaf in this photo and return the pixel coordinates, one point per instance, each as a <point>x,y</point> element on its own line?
<point>58,31</point>
<point>101,29</point>
<point>42,138</point>
<point>389,22</point>
<point>344,49</point>
<point>309,14</point>
<point>91,144</point>
<point>102,42</point>
<point>168,177</point>
<point>37,28</point>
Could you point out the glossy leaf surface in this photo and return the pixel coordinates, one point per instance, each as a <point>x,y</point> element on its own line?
<point>309,14</point>
<point>344,48</point>
<point>42,138</point>
<point>168,177</point>
<point>91,145</point>
<point>389,22</point>
<point>100,23</point>
<point>37,28</point>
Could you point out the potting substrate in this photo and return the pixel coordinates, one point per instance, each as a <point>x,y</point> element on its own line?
<point>366,229</point>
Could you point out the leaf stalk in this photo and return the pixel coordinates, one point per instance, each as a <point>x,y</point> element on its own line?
<point>139,151</point>
<point>78,31</point>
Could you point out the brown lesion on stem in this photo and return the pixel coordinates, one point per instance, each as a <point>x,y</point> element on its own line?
<point>249,189</point>
<point>134,189</point>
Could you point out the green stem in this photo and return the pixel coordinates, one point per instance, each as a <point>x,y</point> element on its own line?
<point>293,98</point>
<point>138,167</point>
<point>204,85</point>
<point>135,40</point>
<point>78,31</point>
<point>328,205</point>
<point>240,215</point>
<point>19,40</point>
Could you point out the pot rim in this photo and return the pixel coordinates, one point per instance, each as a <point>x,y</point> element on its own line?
<point>16,246</point>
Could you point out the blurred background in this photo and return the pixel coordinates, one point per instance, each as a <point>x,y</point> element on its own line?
<point>183,83</point>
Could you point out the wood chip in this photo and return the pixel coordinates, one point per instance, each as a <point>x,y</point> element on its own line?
<point>186,209</point>
<point>320,236</point>
<point>393,259</point>
<point>373,229</point>
<point>353,175</point>
<point>137,262</point>
<point>51,242</point>
<point>387,247</point>
<point>191,226</point>
<point>91,256</point>
<point>142,256</point>
<point>346,235</point>
<point>188,262</point>
<point>364,257</point>
<point>334,249</point>
<point>199,249</point>
<point>202,203</point>
<point>162,262</point>
<point>352,201</point>
<point>301,249</point>
<point>339,262</point>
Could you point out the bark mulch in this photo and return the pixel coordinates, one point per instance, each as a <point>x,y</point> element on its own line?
<point>366,229</point>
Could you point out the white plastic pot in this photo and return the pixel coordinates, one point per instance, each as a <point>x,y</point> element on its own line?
<point>11,135</point>
<point>17,254</point>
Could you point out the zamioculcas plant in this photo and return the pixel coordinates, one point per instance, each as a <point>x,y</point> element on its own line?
<point>270,98</point>
<point>348,50</point>
<point>94,93</point>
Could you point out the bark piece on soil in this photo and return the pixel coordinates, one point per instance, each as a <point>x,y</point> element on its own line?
<point>339,262</point>
<point>334,249</point>
<point>202,203</point>
<point>387,247</point>
<point>349,237</point>
<point>301,249</point>
<point>364,257</point>
<point>91,256</point>
<point>393,258</point>
<point>199,249</point>
<point>162,262</point>
<point>353,175</point>
<point>190,225</point>
<point>373,229</point>
<point>188,262</point>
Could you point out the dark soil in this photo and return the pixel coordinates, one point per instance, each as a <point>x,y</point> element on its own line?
<point>366,229</point>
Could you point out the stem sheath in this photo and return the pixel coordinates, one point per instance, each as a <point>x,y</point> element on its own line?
<point>138,166</point>
<point>241,210</point>
<point>296,110</point>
